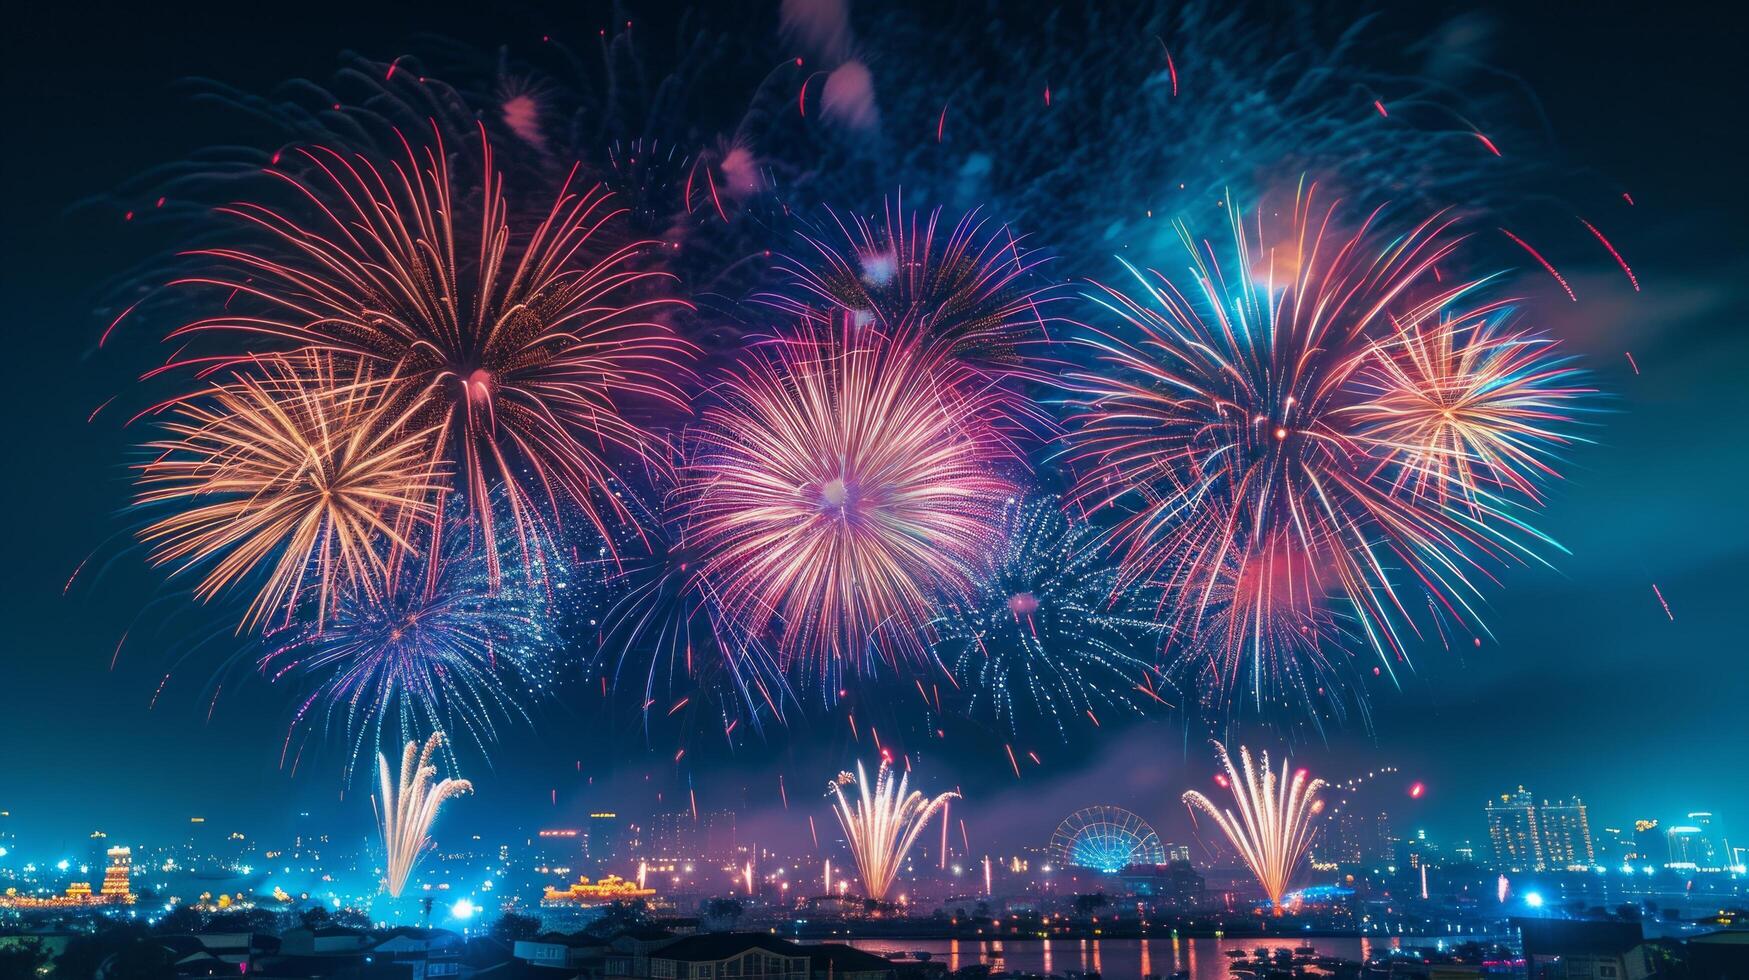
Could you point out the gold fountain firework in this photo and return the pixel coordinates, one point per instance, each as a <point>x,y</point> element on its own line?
<point>1273,827</point>
<point>409,808</point>
<point>883,823</point>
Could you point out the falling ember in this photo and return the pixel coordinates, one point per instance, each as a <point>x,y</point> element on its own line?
<point>410,806</point>
<point>1632,280</point>
<point>1380,106</point>
<point>1416,790</point>
<point>1661,601</point>
<point>1544,263</point>
<point>882,824</point>
<point>1273,828</point>
<point>1489,144</point>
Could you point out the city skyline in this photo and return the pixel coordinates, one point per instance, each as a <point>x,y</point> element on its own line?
<point>1098,536</point>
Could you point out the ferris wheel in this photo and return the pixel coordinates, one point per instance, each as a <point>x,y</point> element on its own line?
<point>1106,838</point>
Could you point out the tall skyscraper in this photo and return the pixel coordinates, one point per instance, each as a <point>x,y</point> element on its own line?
<point>1689,848</point>
<point>1566,835</point>
<point>1512,829</point>
<point>1712,855</point>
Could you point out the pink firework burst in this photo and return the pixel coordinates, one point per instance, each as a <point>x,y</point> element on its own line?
<point>838,486</point>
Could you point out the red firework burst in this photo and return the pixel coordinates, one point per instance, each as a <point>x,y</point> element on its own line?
<point>523,350</point>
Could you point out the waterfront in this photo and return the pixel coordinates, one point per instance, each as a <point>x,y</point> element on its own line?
<point>1121,959</point>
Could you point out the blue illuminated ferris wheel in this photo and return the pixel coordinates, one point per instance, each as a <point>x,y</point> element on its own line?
<point>1106,838</point>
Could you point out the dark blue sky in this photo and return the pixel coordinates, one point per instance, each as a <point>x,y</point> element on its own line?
<point>1588,690</point>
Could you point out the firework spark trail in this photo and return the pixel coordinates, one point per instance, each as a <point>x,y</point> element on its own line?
<point>409,806</point>
<point>297,471</point>
<point>526,348</point>
<point>1273,827</point>
<point>1632,280</point>
<point>1276,442</point>
<point>882,823</point>
<point>837,488</point>
<point>1547,266</point>
<point>1661,602</point>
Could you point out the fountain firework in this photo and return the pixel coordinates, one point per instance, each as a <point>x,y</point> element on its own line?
<point>1273,827</point>
<point>883,823</point>
<point>409,808</point>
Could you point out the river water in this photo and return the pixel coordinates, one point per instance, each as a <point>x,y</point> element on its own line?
<point>1119,959</point>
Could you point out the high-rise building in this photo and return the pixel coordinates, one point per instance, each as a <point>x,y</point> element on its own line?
<point>1566,835</point>
<point>1689,849</point>
<point>1512,829</point>
<point>708,837</point>
<point>1710,851</point>
<point>1651,849</point>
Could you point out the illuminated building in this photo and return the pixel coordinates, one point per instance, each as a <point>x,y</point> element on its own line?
<point>709,837</point>
<point>1566,835</point>
<point>1512,829</point>
<point>558,850</point>
<point>585,893</point>
<point>1710,853</point>
<point>1689,849</point>
<point>1651,849</point>
<point>116,873</point>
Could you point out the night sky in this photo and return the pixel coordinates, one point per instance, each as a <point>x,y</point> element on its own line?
<point>1588,688</point>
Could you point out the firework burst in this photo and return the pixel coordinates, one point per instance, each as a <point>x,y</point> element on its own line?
<point>1244,430</point>
<point>969,288</point>
<point>438,647</point>
<point>1038,635</point>
<point>523,350</point>
<point>882,822</point>
<point>409,806</point>
<point>838,486</point>
<point>1468,406</point>
<point>298,471</point>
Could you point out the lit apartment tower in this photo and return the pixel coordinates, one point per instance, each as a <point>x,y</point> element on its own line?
<point>1689,848</point>
<point>1710,849</point>
<point>1512,830</point>
<point>116,875</point>
<point>1651,849</point>
<point>1566,835</point>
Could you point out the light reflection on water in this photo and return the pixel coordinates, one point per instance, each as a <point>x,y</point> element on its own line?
<point>1117,959</point>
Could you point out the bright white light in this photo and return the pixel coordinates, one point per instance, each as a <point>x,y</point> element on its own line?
<point>1534,900</point>
<point>63,864</point>
<point>463,909</point>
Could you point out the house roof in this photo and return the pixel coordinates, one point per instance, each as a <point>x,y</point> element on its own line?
<point>1567,937</point>
<point>844,959</point>
<point>724,945</point>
